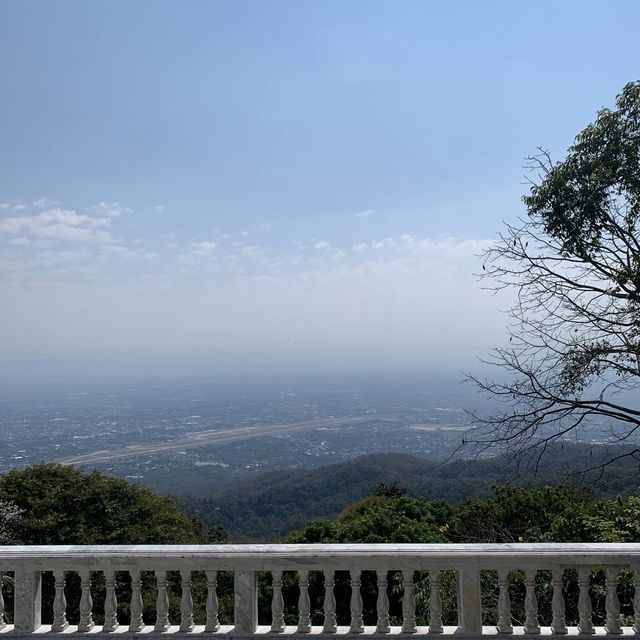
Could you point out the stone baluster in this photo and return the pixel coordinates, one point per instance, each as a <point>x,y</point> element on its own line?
<point>277,603</point>
<point>3,622</point>
<point>86,603</point>
<point>329,605</point>
<point>59,603</point>
<point>504,603</point>
<point>137,606</point>
<point>245,598</point>
<point>162,603</point>
<point>110,603</point>
<point>585,626</point>
<point>612,604</point>
<point>186,603</point>
<point>558,623</point>
<point>213,624</point>
<point>304,605</point>
<point>469,600</point>
<point>382,604</point>
<point>531,624</point>
<point>435,603</point>
<point>636,601</point>
<point>408,603</point>
<point>27,613</point>
<point>357,624</point>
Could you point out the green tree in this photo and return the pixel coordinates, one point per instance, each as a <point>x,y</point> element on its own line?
<point>574,266</point>
<point>65,505</point>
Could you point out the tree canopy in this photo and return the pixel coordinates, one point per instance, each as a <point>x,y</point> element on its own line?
<point>65,505</point>
<point>573,357</point>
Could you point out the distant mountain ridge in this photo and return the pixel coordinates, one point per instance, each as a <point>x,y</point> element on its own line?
<point>270,505</point>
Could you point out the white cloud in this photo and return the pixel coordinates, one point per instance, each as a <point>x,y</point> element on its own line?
<point>43,203</point>
<point>364,214</point>
<point>198,252</point>
<point>109,209</point>
<point>57,224</point>
<point>127,254</point>
<point>203,248</point>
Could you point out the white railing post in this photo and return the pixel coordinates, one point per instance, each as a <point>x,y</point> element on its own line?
<point>408,603</point>
<point>28,601</point>
<point>110,603</point>
<point>162,603</point>
<point>213,624</point>
<point>469,610</point>
<point>3,623</point>
<point>435,603</point>
<point>59,603</point>
<point>382,603</point>
<point>585,626</point>
<point>636,601</point>
<point>504,603</point>
<point>245,602</point>
<point>186,603</point>
<point>277,603</point>
<point>612,604</point>
<point>329,604</point>
<point>357,625</point>
<point>304,604</point>
<point>136,623</point>
<point>558,623</point>
<point>531,624</point>
<point>86,603</point>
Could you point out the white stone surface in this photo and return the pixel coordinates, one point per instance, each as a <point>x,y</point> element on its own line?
<point>247,560</point>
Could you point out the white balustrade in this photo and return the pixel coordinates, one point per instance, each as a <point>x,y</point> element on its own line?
<point>110,603</point>
<point>357,624</point>
<point>213,623</point>
<point>382,604</point>
<point>435,603</point>
<point>186,604</point>
<point>366,568</point>
<point>162,603</point>
<point>136,624</point>
<point>504,603</point>
<point>329,605</point>
<point>408,603</point>
<point>304,604</point>
<point>3,623</point>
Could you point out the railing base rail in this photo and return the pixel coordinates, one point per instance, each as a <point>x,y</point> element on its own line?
<point>291,632</point>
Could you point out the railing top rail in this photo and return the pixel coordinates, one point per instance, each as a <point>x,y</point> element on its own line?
<point>456,553</point>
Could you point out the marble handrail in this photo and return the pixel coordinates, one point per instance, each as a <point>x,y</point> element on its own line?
<point>26,564</point>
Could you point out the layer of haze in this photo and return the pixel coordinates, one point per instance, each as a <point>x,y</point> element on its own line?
<point>301,183</point>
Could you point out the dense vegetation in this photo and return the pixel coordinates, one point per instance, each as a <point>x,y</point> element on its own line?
<point>64,505</point>
<point>52,504</point>
<point>267,506</point>
<point>512,514</point>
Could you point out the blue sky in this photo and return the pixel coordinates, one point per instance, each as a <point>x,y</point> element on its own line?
<point>310,177</point>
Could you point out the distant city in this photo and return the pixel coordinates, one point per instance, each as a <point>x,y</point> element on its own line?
<point>186,437</point>
<point>317,422</point>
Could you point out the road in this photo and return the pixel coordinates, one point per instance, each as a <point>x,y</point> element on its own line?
<point>219,436</point>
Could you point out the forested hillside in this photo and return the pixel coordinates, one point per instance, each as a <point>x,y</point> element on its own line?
<point>268,506</point>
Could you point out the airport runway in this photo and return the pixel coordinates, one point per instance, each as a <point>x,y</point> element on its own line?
<point>219,436</point>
